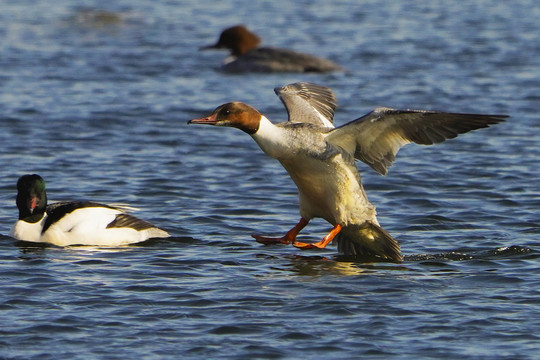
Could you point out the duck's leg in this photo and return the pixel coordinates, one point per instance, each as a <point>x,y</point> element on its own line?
<point>290,236</point>
<point>321,244</point>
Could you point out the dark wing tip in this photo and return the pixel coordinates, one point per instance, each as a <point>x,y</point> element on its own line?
<point>495,119</point>
<point>382,132</point>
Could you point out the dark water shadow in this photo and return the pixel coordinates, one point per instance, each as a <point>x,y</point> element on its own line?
<point>187,240</point>
<point>30,247</point>
<point>316,265</point>
<point>502,252</point>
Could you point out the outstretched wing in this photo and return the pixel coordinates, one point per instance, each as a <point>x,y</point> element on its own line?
<point>376,137</point>
<point>308,103</point>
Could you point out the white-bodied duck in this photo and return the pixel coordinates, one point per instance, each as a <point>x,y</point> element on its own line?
<point>75,222</point>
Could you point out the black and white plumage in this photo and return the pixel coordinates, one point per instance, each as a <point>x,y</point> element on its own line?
<point>75,222</point>
<point>321,159</point>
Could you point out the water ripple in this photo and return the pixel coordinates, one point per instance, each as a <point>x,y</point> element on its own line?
<point>96,99</point>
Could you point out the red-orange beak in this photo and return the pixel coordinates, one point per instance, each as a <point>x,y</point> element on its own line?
<point>32,204</point>
<point>209,120</point>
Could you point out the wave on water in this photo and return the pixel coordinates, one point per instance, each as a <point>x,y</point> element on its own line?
<point>502,252</point>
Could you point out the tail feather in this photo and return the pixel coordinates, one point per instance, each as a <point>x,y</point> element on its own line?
<point>368,240</point>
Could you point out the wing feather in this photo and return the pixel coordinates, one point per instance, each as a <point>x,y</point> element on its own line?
<point>308,103</point>
<point>376,137</point>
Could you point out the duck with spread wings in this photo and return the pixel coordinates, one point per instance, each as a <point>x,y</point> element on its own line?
<point>320,159</point>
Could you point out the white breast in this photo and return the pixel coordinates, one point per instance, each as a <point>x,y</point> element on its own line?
<point>23,230</point>
<point>272,139</point>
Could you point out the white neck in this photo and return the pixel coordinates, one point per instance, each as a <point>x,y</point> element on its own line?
<point>23,230</point>
<point>270,138</point>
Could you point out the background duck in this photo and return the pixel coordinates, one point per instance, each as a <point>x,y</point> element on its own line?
<point>247,56</point>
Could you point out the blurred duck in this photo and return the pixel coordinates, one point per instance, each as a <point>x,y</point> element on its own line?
<point>246,56</point>
<point>94,18</point>
<point>74,222</point>
<point>321,159</point>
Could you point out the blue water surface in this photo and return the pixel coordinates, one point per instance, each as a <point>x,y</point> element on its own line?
<point>95,97</point>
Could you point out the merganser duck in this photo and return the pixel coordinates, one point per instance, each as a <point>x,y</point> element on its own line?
<point>74,222</point>
<point>246,56</point>
<point>321,159</point>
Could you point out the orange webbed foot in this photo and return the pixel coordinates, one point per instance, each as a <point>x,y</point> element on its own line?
<point>306,246</point>
<point>290,236</point>
<point>321,244</point>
